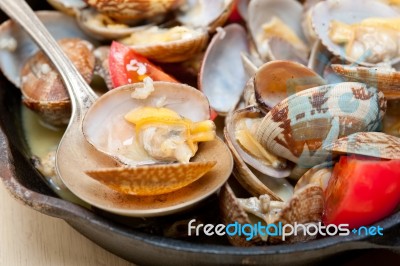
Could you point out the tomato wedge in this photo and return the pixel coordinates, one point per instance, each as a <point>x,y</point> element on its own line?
<point>362,191</point>
<point>127,66</point>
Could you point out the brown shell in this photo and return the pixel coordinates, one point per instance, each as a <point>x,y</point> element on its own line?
<point>175,51</point>
<point>42,88</point>
<point>150,180</point>
<point>297,127</point>
<point>318,175</point>
<point>231,212</point>
<point>134,9</point>
<point>386,80</point>
<point>277,80</point>
<point>305,207</point>
<point>374,144</point>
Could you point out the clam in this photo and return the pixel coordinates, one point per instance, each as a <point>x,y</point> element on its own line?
<point>132,9</point>
<point>101,69</point>
<point>369,42</point>
<point>305,207</point>
<point>69,7</point>
<point>318,175</point>
<point>42,88</point>
<point>168,45</point>
<point>385,79</point>
<point>270,19</point>
<point>321,61</point>
<point>222,77</point>
<point>373,144</point>
<point>207,14</point>
<point>148,135</point>
<point>101,27</point>
<point>17,46</point>
<point>306,22</point>
<point>277,80</point>
<point>300,125</point>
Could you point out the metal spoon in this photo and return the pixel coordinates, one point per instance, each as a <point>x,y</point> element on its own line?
<point>74,154</point>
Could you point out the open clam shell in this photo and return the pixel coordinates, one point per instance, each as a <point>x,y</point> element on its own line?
<point>168,45</point>
<point>43,89</point>
<point>299,126</point>
<point>385,79</point>
<point>69,7</point>
<point>205,13</point>
<point>133,9</point>
<point>277,80</point>
<point>222,77</point>
<point>263,11</point>
<point>374,144</point>
<point>101,27</point>
<point>348,12</point>
<point>318,175</point>
<point>105,127</point>
<point>321,61</point>
<point>17,46</point>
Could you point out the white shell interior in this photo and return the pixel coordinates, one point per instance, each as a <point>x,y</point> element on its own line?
<point>105,127</point>
<point>222,76</point>
<point>348,12</point>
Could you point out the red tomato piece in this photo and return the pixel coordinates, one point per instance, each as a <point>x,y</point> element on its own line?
<point>127,66</point>
<point>362,191</point>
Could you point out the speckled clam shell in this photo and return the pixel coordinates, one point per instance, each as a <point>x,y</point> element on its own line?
<point>231,212</point>
<point>105,119</point>
<point>100,32</point>
<point>222,77</point>
<point>173,51</point>
<point>150,180</point>
<point>17,45</point>
<point>348,12</point>
<point>305,207</point>
<point>374,144</point>
<point>300,125</point>
<point>69,7</point>
<point>277,80</point>
<point>134,9</point>
<point>385,79</point>
<point>42,88</point>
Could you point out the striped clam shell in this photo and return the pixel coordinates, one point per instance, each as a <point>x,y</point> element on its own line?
<point>374,144</point>
<point>386,80</point>
<point>300,125</point>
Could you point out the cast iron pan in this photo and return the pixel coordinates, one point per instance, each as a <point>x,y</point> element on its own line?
<point>141,241</point>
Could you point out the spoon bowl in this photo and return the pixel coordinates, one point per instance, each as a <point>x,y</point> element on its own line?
<point>75,155</point>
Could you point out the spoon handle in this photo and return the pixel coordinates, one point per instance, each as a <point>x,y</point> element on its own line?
<point>80,93</point>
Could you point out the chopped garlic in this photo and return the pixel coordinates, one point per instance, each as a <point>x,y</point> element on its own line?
<point>9,44</point>
<point>45,69</point>
<point>145,91</point>
<point>222,32</point>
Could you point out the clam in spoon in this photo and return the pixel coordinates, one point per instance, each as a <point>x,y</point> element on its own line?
<point>75,155</point>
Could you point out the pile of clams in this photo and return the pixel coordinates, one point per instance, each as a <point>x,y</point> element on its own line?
<point>294,85</point>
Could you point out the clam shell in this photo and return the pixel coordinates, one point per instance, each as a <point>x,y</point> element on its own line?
<point>262,11</point>
<point>68,7</point>
<point>222,77</point>
<point>385,79</point>
<point>299,126</point>
<point>349,12</point>
<point>205,13</point>
<point>306,206</point>
<point>102,66</point>
<point>318,175</point>
<point>133,9</point>
<point>21,46</point>
<point>277,80</point>
<point>242,7</point>
<point>321,61</point>
<point>280,49</point>
<point>43,89</point>
<point>231,212</point>
<point>100,31</point>
<point>106,129</point>
<point>150,180</point>
<point>171,51</point>
<point>374,144</point>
